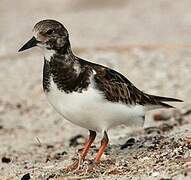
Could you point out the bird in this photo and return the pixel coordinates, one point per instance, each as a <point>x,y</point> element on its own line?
<point>87,94</point>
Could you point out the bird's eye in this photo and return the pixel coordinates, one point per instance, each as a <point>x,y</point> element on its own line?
<point>49,32</point>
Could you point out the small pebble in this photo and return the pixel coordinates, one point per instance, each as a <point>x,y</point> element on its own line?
<point>128,143</point>
<point>166,127</point>
<point>49,146</point>
<point>6,160</point>
<point>18,105</point>
<point>162,116</point>
<point>150,130</point>
<point>187,112</point>
<point>75,141</point>
<point>26,177</point>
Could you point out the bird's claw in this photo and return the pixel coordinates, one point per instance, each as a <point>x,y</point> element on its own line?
<point>81,167</point>
<point>72,167</point>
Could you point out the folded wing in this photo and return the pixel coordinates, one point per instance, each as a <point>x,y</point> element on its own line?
<point>118,88</point>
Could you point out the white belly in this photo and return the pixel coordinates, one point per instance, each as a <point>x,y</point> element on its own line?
<point>91,110</point>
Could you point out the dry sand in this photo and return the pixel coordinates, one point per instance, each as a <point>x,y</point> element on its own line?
<point>149,42</point>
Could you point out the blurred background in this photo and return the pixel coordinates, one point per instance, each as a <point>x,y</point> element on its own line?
<point>98,23</point>
<point>148,41</point>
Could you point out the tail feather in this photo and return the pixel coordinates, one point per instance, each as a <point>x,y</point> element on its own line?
<point>166,105</point>
<point>160,102</point>
<point>166,99</point>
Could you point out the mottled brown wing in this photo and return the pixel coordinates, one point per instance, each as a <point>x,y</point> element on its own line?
<point>118,88</point>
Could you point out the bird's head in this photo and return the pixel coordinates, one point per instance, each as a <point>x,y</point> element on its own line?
<point>47,34</point>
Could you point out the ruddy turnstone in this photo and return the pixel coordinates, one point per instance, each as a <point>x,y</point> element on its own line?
<point>87,94</point>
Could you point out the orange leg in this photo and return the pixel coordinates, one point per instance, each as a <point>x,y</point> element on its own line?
<point>104,143</point>
<point>88,144</point>
<point>76,165</point>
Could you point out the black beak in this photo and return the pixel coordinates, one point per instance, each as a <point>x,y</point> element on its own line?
<point>31,43</point>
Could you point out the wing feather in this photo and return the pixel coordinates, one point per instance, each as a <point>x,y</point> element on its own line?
<point>118,88</point>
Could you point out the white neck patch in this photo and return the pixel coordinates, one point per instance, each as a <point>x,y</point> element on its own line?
<point>48,54</point>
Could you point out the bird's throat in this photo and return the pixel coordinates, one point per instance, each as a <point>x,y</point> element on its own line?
<point>48,54</point>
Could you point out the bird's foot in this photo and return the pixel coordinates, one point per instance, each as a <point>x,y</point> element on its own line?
<point>92,167</point>
<point>74,166</point>
<point>88,166</point>
<point>81,167</point>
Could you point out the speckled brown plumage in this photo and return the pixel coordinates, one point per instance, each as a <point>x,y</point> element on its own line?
<point>57,34</point>
<point>65,76</point>
<point>114,86</point>
<point>64,65</point>
<point>87,94</point>
<point>118,88</point>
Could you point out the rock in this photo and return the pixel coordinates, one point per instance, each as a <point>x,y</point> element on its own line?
<point>128,143</point>
<point>162,116</point>
<point>6,160</point>
<point>76,140</point>
<point>26,177</point>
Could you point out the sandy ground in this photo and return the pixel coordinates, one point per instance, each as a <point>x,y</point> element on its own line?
<point>148,42</point>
